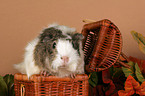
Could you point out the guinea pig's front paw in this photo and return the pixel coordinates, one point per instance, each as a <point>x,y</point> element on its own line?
<point>44,73</point>
<point>73,75</point>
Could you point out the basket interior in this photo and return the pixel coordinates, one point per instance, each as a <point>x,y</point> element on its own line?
<point>102,45</point>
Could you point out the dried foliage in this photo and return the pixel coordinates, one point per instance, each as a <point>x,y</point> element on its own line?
<point>132,87</point>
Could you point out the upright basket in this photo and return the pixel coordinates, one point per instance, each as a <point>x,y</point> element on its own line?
<point>102,45</point>
<point>50,86</point>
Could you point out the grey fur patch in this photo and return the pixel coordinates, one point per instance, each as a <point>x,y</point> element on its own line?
<point>44,48</point>
<point>76,39</point>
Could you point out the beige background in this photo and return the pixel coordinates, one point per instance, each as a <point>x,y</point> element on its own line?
<point>22,20</point>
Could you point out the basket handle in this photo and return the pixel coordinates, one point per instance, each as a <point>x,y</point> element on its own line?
<point>22,90</point>
<point>92,26</point>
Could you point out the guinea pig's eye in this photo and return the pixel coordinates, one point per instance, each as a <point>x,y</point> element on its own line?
<point>54,45</point>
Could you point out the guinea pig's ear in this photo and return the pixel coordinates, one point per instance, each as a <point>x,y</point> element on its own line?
<point>77,36</point>
<point>50,34</point>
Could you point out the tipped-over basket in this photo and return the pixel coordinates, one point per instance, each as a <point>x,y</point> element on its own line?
<point>102,45</point>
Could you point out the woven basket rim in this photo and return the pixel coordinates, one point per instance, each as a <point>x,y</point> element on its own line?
<point>39,78</point>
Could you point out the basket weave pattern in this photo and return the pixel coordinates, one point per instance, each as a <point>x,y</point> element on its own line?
<point>51,86</point>
<point>102,45</point>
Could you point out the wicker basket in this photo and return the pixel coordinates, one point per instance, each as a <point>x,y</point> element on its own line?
<point>102,45</point>
<point>50,86</point>
<point>102,48</point>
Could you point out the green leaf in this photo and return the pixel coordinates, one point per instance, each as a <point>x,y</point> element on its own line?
<point>95,77</point>
<point>141,47</point>
<point>117,72</point>
<point>129,71</point>
<point>138,73</point>
<point>11,85</point>
<point>111,70</point>
<point>138,37</point>
<point>134,35</point>
<point>9,79</point>
<point>140,40</point>
<point>91,83</point>
<point>3,87</point>
<point>12,92</point>
<point>93,80</point>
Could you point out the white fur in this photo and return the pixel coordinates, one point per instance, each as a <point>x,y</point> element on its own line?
<point>65,48</point>
<point>53,25</point>
<point>63,28</point>
<point>28,66</point>
<point>80,68</point>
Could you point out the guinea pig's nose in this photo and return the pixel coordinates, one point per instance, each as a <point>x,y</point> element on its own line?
<point>65,59</point>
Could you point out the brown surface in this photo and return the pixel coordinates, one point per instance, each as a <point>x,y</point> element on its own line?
<point>21,21</point>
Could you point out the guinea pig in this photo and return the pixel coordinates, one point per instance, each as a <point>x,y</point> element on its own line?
<point>56,51</point>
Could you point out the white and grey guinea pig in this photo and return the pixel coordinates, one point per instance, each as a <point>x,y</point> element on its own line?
<point>57,51</point>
